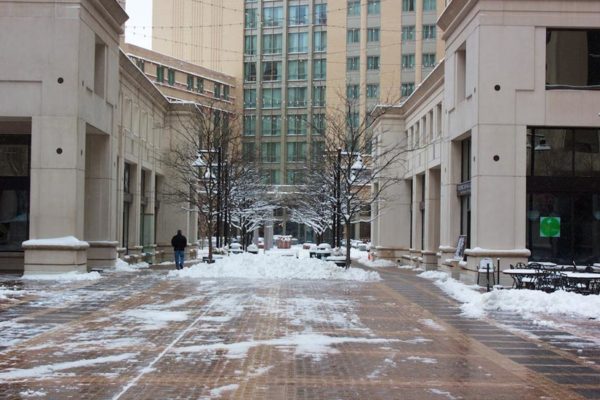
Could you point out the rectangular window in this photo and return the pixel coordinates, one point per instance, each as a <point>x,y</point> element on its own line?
<point>295,177</point>
<point>297,70</point>
<point>318,125</point>
<point>320,41</point>
<point>250,18</point>
<point>429,5</point>
<point>298,42</point>
<point>296,152</point>
<point>572,59</point>
<point>270,152</point>
<point>320,14</point>
<point>248,151</point>
<point>373,91</point>
<point>271,98</point>
<point>225,92</point>
<point>319,96</point>
<point>352,92</point>
<point>171,77</point>
<point>352,63</point>
<point>249,125</point>
<point>271,71</point>
<point>373,62</point>
<point>200,85</point>
<point>271,125</point>
<point>272,44</point>
<point>407,88</point>
<point>353,8</point>
<point>408,61</point>
<point>296,124</point>
<point>408,33</point>
<point>272,16</point>
<point>428,60</point>
<point>271,177</point>
<point>429,32</point>
<point>190,82</point>
<point>373,7</point>
<point>217,90</point>
<point>373,35</point>
<point>249,98</point>
<point>298,15</point>
<point>408,5</point>
<point>353,36</point>
<point>160,73</point>
<point>100,67</point>
<point>320,68</point>
<point>318,149</point>
<point>250,71</point>
<point>297,97</point>
<point>353,121</point>
<point>250,44</point>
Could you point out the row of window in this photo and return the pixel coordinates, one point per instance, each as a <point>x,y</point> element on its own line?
<point>373,8</point>
<point>297,43</point>
<point>194,83</point>
<point>410,5</point>
<point>297,70</point>
<point>296,97</point>
<point>271,152</point>
<point>409,32</point>
<point>353,91</point>
<point>408,60</point>
<point>373,34</point>
<point>297,125</point>
<point>297,15</point>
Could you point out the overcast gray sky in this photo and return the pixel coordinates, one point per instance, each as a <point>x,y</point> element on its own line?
<point>138,29</point>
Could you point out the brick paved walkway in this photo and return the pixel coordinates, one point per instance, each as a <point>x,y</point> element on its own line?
<point>142,336</point>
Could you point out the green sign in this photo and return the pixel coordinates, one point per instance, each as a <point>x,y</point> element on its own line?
<point>549,226</point>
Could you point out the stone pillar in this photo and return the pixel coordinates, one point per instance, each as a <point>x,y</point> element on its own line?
<point>55,256</point>
<point>432,218</point>
<point>102,254</point>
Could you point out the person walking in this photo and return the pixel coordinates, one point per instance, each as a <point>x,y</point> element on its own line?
<point>179,243</point>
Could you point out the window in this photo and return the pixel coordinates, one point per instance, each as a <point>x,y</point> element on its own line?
<point>429,32</point>
<point>248,151</point>
<point>320,14</point>
<point>408,61</point>
<point>250,71</point>
<point>352,63</point>
<point>298,42</point>
<point>298,15</point>
<point>352,92</point>
<point>272,16</point>
<point>271,98</point>
<point>407,88</point>
<point>408,5</point>
<point>319,96</point>
<point>373,91</point>
<point>270,152</point>
<point>353,8</point>
<point>190,82</point>
<point>428,60</point>
<point>318,124</point>
<point>320,41</point>
<point>408,33</point>
<point>271,177</point>
<point>217,90</point>
<point>572,59</point>
<point>272,44</point>
<point>250,18</point>
<point>429,5</point>
<point>249,125</point>
<point>249,98</point>
<point>171,77</point>
<point>160,73</point>
<point>320,68</point>
<point>225,92</point>
<point>250,44</point>
<point>271,71</point>
<point>297,69</point>
<point>353,121</point>
<point>373,7</point>
<point>353,36</point>
<point>297,97</point>
<point>200,85</point>
<point>271,125</point>
<point>318,149</point>
<point>138,62</point>
<point>295,177</point>
<point>296,124</point>
<point>373,62</point>
<point>100,67</point>
<point>373,35</point>
<point>296,151</point>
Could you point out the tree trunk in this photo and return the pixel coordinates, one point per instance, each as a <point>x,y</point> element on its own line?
<point>348,248</point>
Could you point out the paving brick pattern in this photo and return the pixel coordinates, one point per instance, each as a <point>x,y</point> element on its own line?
<point>399,339</point>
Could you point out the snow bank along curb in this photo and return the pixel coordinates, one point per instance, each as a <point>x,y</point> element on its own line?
<point>66,277</point>
<point>261,266</point>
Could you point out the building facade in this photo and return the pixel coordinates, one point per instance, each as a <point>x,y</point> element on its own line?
<point>518,174</point>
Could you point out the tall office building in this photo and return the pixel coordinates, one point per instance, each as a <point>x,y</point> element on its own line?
<point>295,59</point>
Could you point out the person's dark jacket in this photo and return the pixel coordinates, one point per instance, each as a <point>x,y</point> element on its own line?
<point>179,242</point>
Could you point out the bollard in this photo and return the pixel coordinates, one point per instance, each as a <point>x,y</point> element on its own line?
<point>498,268</point>
<point>487,275</point>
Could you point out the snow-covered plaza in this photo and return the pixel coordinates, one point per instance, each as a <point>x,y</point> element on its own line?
<point>283,326</point>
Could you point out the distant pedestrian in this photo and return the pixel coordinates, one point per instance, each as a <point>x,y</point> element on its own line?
<point>179,242</point>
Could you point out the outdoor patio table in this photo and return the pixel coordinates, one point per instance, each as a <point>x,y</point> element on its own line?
<point>585,282</point>
<point>524,277</point>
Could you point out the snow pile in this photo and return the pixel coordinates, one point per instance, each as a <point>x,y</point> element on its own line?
<point>65,277</point>
<point>9,293</point>
<point>123,266</point>
<point>525,302</point>
<point>261,266</point>
<point>376,263</point>
<point>66,241</point>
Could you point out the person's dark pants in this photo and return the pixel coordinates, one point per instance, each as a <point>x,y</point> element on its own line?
<point>179,257</point>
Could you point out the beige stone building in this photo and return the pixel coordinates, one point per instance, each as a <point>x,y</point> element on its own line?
<point>81,131</point>
<point>506,141</point>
